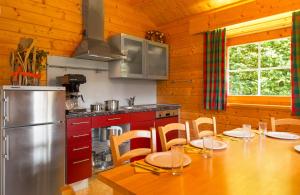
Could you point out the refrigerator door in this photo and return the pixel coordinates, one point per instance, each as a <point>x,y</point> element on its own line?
<point>34,160</point>
<point>28,107</point>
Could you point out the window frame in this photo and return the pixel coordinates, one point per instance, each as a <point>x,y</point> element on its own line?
<point>256,99</point>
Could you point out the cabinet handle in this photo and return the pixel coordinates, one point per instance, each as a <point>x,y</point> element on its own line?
<point>82,135</point>
<point>80,161</point>
<point>82,148</point>
<point>113,119</point>
<point>80,123</point>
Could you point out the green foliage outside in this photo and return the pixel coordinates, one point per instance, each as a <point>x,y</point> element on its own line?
<point>269,61</point>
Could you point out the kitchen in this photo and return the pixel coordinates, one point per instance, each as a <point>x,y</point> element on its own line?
<point>137,83</point>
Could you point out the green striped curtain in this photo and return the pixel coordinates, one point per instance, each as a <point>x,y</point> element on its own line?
<point>295,68</point>
<point>215,95</point>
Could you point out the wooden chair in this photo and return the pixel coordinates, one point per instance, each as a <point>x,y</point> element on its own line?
<point>165,144</point>
<point>205,120</point>
<point>116,141</point>
<point>283,121</point>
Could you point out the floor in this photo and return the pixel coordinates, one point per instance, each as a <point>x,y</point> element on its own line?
<point>96,187</point>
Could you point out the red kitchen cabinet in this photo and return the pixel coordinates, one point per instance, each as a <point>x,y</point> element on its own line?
<point>141,121</point>
<point>78,149</point>
<point>162,122</point>
<point>142,116</point>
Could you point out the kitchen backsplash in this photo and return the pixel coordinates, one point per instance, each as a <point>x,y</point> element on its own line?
<point>99,87</point>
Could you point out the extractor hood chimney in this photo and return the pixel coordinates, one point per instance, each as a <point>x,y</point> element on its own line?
<point>93,46</point>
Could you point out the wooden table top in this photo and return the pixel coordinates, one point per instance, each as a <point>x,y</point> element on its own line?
<point>261,166</point>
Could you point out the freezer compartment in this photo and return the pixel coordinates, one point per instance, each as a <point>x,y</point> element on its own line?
<point>35,160</point>
<point>26,107</point>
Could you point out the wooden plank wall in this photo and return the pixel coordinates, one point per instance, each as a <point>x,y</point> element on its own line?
<point>185,85</point>
<point>57,26</point>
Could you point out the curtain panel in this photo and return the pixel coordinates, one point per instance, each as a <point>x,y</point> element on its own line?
<point>295,67</point>
<point>215,94</point>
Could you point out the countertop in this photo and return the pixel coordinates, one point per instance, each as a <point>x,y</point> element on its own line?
<point>122,110</point>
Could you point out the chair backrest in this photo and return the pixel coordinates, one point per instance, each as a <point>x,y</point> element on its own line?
<point>165,144</point>
<point>205,120</point>
<point>116,141</point>
<point>115,130</point>
<point>283,121</point>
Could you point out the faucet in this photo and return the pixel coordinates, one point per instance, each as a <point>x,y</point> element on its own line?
<point>130,101</point>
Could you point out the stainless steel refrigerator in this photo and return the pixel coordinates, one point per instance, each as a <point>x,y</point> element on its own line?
<point>32,140</point>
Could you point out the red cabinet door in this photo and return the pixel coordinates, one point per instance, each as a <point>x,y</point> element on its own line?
<point>170,135</point>
<point>79,169</point>
<point>142,116</point>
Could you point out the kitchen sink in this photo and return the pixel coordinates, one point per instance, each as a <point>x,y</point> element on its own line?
<point>139,107</point>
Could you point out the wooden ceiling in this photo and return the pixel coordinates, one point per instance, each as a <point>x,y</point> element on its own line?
<point>165,11</point>
<point>278,21</point>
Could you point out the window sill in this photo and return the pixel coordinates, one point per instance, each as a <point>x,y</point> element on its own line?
<point>266,102</point>
<point>259,106</point>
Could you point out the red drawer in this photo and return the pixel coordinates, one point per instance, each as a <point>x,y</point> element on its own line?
<point>79,169</point>
<point>98,121</point>
<point>115,119</point>
<point>142,116</point>
<point>79,138</point>
<point>78,125</point>
<point>79,152</point>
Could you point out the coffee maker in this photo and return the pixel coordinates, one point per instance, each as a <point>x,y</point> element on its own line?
<point>73,95</point>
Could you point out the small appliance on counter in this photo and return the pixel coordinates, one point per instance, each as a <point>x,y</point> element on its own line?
<point>74,98</point>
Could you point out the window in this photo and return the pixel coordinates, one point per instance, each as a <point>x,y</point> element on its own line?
<point>260,68</point>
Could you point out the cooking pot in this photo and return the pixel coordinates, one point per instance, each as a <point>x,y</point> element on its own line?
<point>111,105</point>
<point>96,107</point>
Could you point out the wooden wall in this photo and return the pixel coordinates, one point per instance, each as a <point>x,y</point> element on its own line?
<point>185,85</point>
<point>57,26</point>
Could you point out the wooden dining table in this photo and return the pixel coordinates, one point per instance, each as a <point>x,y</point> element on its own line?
<point>261,166</point>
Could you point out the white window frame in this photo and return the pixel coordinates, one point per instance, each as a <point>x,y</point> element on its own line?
<point>259,69</point>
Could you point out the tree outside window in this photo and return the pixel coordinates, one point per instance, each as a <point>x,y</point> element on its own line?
<point>260,68</point>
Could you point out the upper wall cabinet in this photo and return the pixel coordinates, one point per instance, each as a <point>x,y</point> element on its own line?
<point>157,60</point>
<point>143,59</point>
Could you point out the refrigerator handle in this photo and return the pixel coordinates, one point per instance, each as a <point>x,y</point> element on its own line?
<point>6,154</point>
<point>6,109</point>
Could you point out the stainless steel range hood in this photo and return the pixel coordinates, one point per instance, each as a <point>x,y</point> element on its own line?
<point>93,46</point>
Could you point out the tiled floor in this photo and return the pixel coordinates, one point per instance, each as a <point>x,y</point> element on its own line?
<point>96,188</point>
